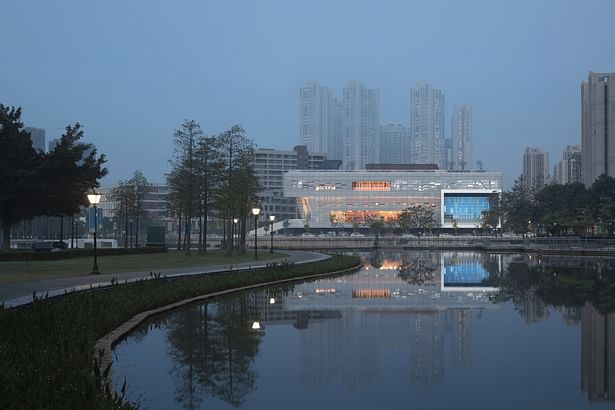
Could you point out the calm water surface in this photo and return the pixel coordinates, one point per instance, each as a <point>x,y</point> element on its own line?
<point>411,330</point>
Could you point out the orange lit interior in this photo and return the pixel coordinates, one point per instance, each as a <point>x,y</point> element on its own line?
<point>371,186</point>
<point>365,216</point>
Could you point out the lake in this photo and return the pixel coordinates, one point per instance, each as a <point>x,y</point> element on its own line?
<point>421,330</point>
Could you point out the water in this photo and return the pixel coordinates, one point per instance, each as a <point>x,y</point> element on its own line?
<point>422,330</point>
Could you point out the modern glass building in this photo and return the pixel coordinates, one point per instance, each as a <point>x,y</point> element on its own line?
<point>463,208</point>
<point>325,197</point>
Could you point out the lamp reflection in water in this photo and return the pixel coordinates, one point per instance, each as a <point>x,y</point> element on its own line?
<point>256,324</point>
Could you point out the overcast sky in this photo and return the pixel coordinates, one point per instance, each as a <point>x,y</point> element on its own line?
<point>131,70</point>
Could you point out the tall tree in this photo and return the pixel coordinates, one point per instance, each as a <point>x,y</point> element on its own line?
<point>68,171</point>
<point>518,207</point>
<point>208,170</point>
<point>128,196</point>
<point>18,179</point>
<point>238,183</point>
<point>33,183</point>
<point>182,180</point>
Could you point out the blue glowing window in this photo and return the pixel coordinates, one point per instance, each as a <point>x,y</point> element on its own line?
<point>465,207</point>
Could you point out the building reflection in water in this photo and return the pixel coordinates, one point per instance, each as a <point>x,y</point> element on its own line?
<point>416,310</point>
<point>345,322</point>
<point>597,355</point>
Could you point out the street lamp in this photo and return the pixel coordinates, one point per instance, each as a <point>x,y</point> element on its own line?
<point>94,199</point>
<point>235,232</point>
<point>271,219</point>
<point>255,212</point>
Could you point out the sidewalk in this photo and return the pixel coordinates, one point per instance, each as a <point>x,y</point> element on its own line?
<point>15,294</point>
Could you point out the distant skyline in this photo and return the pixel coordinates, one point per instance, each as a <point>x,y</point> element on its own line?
<point>131,72</point>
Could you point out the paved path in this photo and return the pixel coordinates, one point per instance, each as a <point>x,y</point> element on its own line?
<point>15,294</point>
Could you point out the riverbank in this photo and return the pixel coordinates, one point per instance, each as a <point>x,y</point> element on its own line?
<point>542,245</point>
<point>46,347</point>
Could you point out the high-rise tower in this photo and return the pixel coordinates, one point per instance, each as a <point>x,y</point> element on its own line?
<point>38,138</point>
<point>535,168</point>
<point>461,136</point>
<point>598,126</point>
<point>427,125</point>
<point>319,122</point>
<point>394,144</point>
<point>568,170</point>
<point>360,129</point>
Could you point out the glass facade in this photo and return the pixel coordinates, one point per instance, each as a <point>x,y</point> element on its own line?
<point>464,208</point>
<point>469,274</point>
<point>327,196</point>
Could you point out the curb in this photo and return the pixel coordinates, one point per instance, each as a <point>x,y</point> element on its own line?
<point>104,346</point>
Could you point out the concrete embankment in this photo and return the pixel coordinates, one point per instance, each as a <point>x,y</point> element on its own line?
<point>563,245</point>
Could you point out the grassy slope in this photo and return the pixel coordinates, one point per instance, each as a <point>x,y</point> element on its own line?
<point>46,348</point>
<point>11,272</point>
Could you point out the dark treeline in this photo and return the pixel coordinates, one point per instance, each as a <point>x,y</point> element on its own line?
<point>34,183</point>
<point>559,209</point>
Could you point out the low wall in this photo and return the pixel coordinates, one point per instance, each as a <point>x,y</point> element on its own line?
<point>565,245</point>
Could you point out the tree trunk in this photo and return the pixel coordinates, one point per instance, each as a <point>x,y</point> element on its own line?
<point>179,231</point>
<point>6,237</point>
<point>188,235</point>
<point>126,220</point>
<point>200,247</point>
<point>205,212</point>
<point>137,225</point>
<point>243,224</point>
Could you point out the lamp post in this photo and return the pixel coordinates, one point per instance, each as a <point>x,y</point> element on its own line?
<point>271,219</point>
<point>94,199</point>
<point>234,244</point>
<point>130,236</point>
<point>255,212</point>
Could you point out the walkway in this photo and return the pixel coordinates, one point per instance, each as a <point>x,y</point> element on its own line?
<point>15,294</point>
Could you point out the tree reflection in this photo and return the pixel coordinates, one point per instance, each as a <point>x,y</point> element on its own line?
<point>419,271</point>
<point>213,351</point>
<point>376,258</point>
<point>560,282</point>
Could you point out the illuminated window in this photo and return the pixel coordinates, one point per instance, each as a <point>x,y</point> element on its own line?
<point>371,185</point>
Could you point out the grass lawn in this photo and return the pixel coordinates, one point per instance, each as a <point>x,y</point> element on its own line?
<point>11,272</point>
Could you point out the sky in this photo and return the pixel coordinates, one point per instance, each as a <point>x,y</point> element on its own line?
<point>131,71</point>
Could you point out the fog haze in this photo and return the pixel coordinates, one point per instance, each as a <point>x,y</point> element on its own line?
<point>131,71</point>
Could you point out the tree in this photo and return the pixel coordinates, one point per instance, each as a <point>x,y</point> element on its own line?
<point>208,168</point>
<point>518,207</point>
<point>419,216</point>
<point>333,221</point>
<point>68,172</point>
<point>376,227</point>
<point>603,195</point>
<point>182,179</point>
<point>34,183</point>
<point>561,207</point>
<point>18,179</point>
<point>129,198</point>
<point>238,185</point>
